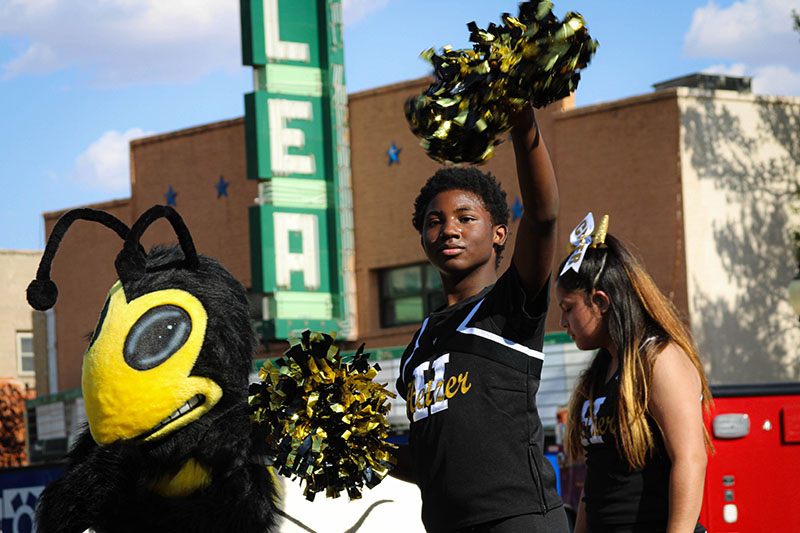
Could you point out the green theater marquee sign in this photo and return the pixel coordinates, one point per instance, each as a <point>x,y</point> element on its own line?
<point>297,140</point>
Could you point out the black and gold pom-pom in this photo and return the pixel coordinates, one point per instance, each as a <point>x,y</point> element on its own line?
<point>530,58</point>
<point>324,419</point>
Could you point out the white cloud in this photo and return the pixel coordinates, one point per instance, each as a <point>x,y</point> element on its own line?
<point>769,79</point>
<point>118,43</point>
<point>37,59</point>
<point>757,32</point>
<point>776,79</point>
<point>353,11</point>
<point>105,164</point>
<point>753,38</point>
<point>737,69</point>
<point>124,42</point>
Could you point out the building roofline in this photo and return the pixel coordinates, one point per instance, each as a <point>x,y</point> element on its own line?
<point>737,96</point>
<point>407,84</point>
<point>121,202</point>
<point>186,132</point>
<point>10,251</point>
<point>676,93</point>
<point>602,107</point>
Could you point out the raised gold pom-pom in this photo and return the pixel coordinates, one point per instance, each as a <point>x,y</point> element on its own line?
<point>530,58</point>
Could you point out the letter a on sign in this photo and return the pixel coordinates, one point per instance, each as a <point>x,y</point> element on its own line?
<point>306,261</point>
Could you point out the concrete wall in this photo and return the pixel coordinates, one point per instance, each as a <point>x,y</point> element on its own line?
<point>740,161</point>
<point>17,269</point>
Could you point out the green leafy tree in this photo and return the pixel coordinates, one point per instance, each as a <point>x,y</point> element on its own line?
<point>796,20</point>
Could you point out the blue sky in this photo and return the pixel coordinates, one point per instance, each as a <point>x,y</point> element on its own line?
<point>80,78</point>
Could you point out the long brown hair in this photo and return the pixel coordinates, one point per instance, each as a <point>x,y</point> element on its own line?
<point>638,311</point>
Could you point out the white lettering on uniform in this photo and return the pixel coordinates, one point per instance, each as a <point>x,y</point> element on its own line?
<point>439,398</point>
<point>596,438</point>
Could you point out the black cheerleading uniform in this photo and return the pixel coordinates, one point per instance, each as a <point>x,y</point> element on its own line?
<point>619,499</point>
<point>470,377</point>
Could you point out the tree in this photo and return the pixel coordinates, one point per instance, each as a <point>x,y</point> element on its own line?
<point>796,20</point>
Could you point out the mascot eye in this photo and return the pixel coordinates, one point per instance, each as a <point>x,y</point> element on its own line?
<point>158,334</point>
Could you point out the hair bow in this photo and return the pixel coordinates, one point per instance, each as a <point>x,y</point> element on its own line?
<point>584,235</point>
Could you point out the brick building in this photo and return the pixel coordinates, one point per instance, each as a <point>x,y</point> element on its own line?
<point>698,179</point>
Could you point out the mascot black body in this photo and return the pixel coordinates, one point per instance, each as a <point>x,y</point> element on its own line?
<point>169,446</point>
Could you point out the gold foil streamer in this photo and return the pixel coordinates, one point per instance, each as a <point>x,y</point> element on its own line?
<point>324,419</point>
<point>530,58</point>
<point>599,236</point>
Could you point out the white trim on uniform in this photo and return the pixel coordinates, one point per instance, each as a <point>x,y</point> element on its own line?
<point>462,328</point>
<point>416,345</point>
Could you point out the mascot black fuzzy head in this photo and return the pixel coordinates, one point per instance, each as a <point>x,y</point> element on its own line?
<point>169,445</point>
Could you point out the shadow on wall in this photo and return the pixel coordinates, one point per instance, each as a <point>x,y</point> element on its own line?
<point>757,168</point>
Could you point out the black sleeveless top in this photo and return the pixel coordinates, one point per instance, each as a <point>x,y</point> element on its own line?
<point>470,377</point>
<point>617,498</point>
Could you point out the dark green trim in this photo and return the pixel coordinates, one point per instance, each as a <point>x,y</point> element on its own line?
<point>256,242</point>
<point>64,396</point>
<point>252,33</point>
<point>557,337</point>
<point>257,156</point>
<point>379,354</point>
<point>283,328</point>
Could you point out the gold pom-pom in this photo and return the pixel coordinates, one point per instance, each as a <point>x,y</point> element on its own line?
<point>323,418</point>
<point>530,58</point>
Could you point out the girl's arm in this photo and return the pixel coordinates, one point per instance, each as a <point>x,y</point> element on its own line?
<point>675,403</point>
<point>580,519</point>
<point>403,470</point>
<point>534,247</point>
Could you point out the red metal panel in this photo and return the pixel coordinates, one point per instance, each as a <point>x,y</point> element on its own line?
<point>758,473</point>
<point>791,424</point>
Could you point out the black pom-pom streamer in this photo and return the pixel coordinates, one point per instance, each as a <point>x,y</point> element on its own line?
<point>324,418</point>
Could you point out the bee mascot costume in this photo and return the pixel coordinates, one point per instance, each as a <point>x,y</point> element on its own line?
<point>169,445</point>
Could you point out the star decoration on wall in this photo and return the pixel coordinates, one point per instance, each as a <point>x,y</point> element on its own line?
<point>170,196</point>
<point>516,209</point>
<point>222,187</point>
<point>393,152</point>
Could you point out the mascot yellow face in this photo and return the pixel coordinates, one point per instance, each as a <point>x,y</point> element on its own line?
<point>137,381</point>
<point>142,377</point>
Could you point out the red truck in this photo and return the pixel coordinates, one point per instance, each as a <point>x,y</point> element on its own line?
<point>753,478</point>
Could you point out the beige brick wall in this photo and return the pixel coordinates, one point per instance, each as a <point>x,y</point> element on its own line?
<point>17,269</point>
<point>741,170</point>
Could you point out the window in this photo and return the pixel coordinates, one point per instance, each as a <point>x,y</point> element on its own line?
<point>25,353</point>
<point>409,294</point>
